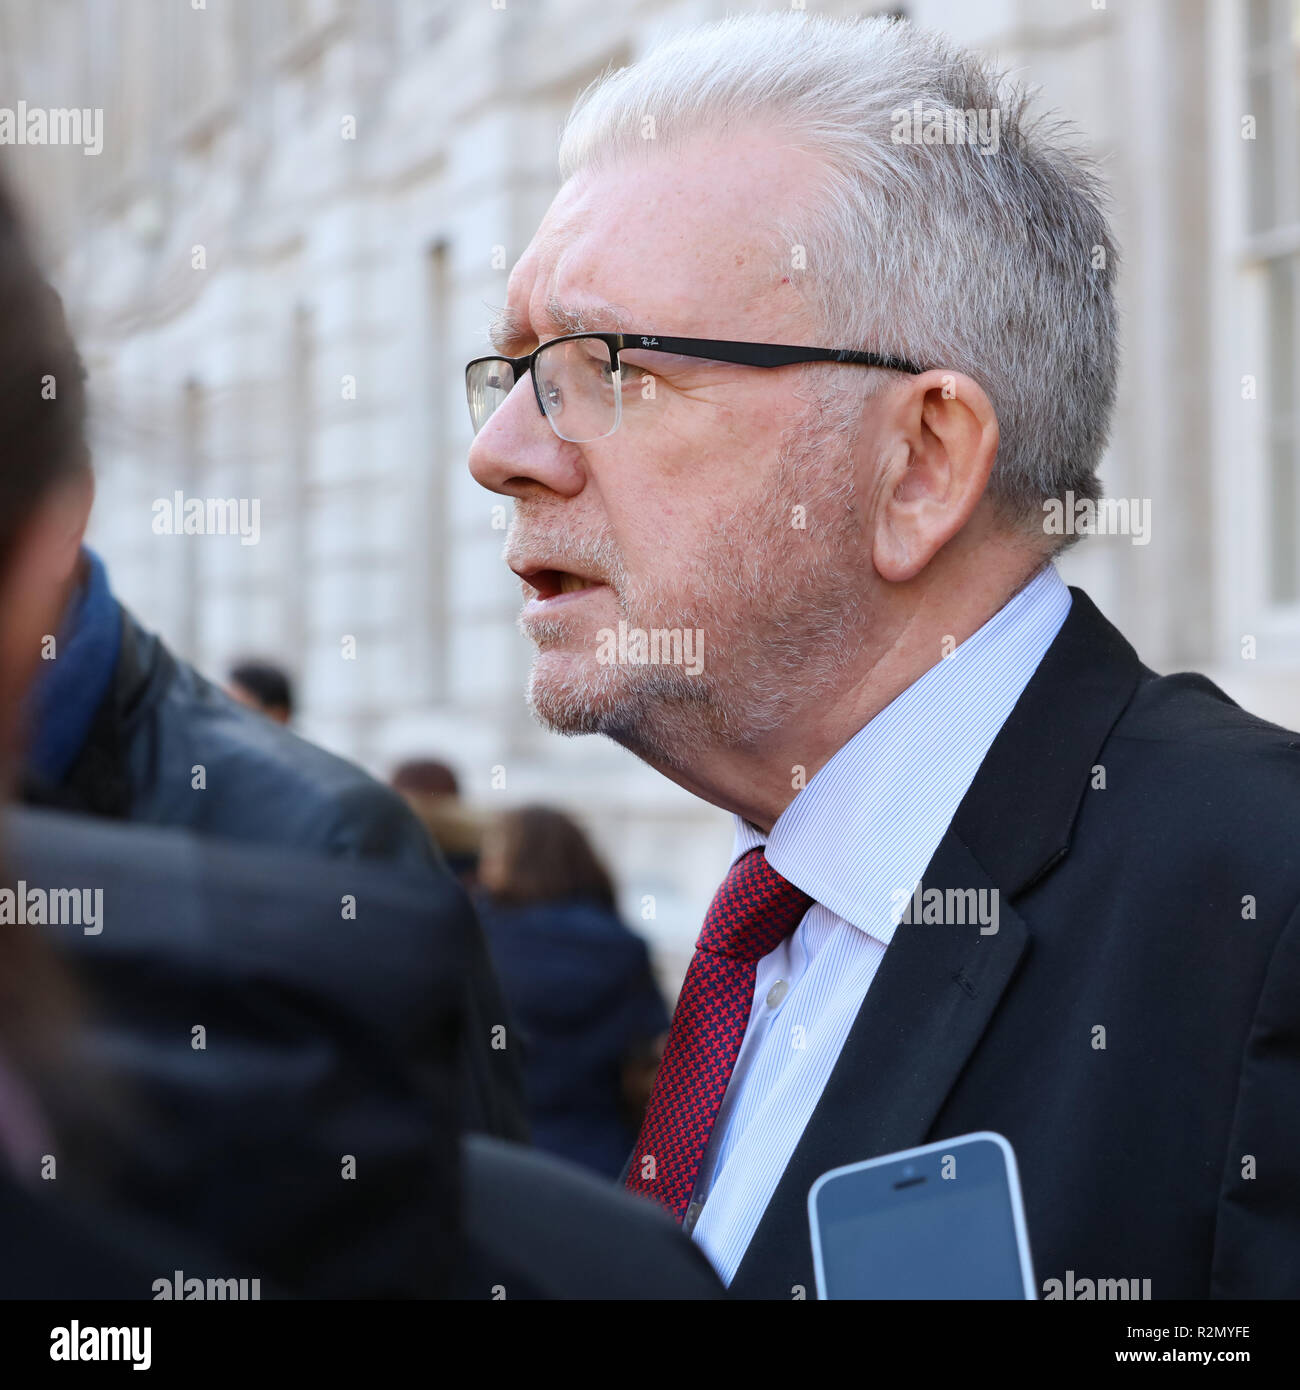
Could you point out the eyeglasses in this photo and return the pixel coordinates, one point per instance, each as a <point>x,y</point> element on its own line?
<point>578,379</point>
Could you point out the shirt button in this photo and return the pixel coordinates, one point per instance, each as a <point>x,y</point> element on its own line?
<point>777,993</point>
<point>692,1216</point>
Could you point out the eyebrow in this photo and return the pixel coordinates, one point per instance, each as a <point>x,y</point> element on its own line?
<point>508,329</point>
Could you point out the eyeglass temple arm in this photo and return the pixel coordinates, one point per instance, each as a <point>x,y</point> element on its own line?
<point>761,354</point>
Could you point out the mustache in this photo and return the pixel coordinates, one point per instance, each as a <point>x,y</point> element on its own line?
<point>561,548</point>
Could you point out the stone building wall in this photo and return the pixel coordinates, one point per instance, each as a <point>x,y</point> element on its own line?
<point>305,211</point>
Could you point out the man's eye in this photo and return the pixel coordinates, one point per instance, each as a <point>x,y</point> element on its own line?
<point>644,363</point>
<point>634,371</point>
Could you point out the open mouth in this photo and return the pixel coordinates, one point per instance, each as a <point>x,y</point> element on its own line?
<point>548,584</point>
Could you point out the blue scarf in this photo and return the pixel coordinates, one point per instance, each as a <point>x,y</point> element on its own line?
<point>70,689</point>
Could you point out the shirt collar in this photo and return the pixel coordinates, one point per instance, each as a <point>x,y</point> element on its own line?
<point>861,833</point>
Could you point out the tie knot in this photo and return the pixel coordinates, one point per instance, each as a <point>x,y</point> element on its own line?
<point>753,911</point>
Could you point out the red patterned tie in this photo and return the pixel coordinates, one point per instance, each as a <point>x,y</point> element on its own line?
<point>751,914</point>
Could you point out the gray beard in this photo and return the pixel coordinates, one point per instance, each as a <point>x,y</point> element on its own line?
<point>782,610</point>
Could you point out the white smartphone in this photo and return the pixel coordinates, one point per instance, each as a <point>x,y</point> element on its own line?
<point>942,1221</point>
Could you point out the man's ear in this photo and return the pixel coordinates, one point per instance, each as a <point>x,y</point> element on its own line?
<point>944,441</point>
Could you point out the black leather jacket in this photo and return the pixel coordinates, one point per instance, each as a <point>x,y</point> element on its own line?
<point>162,721</point>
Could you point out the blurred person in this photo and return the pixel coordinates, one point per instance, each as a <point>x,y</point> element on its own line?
<point>118,725</point>
<point>578,981</point>
<point>432,791</point>
<point>287,1084</point>
<point>43,482</point>
<point>789,450</point>
<point>323,1050</point>
<point>327,1046</point>
<point>51,1247</point>
<point>262,686</point>
<point>427,776</point>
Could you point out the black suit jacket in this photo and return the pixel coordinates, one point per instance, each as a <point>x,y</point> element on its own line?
<point>1141,832</point>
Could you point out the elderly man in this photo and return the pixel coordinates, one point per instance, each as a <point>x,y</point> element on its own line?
<point>780,375</point>
<point>329,1048</point>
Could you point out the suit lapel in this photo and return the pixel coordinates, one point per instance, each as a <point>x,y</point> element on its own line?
<point>936,990</point>
<point>939,986</point>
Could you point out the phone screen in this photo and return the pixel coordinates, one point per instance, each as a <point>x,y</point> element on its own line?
<point>935,1223</point>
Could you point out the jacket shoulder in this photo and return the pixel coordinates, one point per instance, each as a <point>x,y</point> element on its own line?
<point>260,781</point>
<point>1188,710</point>
<point>1207,771</point>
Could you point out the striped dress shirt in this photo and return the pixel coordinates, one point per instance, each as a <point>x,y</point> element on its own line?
<point>856,839</point>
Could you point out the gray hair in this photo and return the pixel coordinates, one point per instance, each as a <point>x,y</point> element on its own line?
<point>996,262</point>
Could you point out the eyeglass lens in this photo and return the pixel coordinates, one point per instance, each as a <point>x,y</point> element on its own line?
<point>579,391</point>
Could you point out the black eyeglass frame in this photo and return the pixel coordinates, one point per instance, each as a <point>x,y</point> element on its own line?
<point>718,350</point>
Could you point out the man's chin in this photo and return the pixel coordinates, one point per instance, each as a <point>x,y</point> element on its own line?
<point>656,713</point>
<point>571,693</point>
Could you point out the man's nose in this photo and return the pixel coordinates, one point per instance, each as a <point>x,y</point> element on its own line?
<point>517,452</point>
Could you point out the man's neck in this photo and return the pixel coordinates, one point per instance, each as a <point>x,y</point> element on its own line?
<point>758,783</point>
